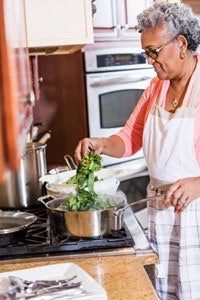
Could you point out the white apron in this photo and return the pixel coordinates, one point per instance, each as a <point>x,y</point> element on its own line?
<point>168,144</point>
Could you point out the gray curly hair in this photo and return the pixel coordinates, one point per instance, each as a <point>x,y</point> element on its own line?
<point>177,17</point>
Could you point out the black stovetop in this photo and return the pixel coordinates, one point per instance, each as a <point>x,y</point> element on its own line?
<point>40,241</point>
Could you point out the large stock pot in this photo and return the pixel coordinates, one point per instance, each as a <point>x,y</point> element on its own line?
<point>22,188</point>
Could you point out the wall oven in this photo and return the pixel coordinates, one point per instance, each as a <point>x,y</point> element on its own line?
<point>115,80</point>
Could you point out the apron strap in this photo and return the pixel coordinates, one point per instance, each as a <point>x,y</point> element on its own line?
<point>196,87</point>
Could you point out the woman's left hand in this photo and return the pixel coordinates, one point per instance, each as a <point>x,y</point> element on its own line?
<point>181,193</point>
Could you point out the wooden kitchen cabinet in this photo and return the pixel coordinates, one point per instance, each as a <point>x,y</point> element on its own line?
<point>62,104</point>
<point>61,26</point>
<point>116,19</point>
<point>195,4</point>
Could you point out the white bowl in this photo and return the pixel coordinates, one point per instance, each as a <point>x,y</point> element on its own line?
<point>57,186</point>
<point>62,177</point>
<point>108,186</point>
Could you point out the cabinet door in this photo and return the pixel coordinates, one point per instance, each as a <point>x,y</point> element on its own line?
<point>116,19</point>
<point>105,20</point>
<point>62,107</point>
<point>127,16</point>
<point>58,23</point>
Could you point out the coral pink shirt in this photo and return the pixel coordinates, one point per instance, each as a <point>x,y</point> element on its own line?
<point>132,132</point>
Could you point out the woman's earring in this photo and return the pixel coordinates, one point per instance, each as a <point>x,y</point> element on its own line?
<point>182,55</point>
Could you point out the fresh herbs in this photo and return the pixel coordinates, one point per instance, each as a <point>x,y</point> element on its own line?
<point>86,202</point>
<point>84,176</point>
<point>86,198</point>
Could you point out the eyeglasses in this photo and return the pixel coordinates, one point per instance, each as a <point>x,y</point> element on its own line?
<point>153,53</point>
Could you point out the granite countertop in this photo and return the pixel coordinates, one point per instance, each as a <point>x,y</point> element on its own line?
<point>122,276</point>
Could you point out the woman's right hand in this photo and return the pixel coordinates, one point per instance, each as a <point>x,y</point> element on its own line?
<point>86,144</point>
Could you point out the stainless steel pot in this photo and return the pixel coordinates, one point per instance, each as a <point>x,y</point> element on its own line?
<point>14,226</point>
<point>89,224</point>
<point>22,188</point>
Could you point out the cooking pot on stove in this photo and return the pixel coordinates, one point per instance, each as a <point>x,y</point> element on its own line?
<point>22,188</point>
<point>86,224</point>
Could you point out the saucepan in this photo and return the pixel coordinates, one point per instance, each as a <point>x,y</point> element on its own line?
<point>14,226</point>
<point>87,224</point>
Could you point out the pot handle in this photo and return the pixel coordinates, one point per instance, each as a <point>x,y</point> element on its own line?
<point>43,198</point>
<point>118,211</point>
<point>158,193</point>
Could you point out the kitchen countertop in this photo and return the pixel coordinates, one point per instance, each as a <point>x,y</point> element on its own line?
<point>122,276</point>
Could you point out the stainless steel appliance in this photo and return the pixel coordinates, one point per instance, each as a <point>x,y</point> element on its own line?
<point>115,80</point>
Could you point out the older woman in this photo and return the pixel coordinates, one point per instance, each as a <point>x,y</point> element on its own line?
<point>166,124</point>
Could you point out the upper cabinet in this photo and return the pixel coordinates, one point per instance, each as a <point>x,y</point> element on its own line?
<point>116,19</point>
<point>58,26</point>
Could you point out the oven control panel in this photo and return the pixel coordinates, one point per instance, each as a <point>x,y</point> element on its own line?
<point>114,59</point>
<point>121,59</point>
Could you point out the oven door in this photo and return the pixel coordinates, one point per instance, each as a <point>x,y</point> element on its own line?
<point>111,98</point>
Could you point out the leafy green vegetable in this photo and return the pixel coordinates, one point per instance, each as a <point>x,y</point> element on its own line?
<point>90,163</point>
<point>72,180</point>
<point>101,202</point>
<point>86,197</point>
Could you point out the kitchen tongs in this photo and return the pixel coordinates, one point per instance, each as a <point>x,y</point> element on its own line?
<point>70,162</point>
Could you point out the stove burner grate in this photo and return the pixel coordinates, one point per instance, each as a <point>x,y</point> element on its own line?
<point>40,241</point>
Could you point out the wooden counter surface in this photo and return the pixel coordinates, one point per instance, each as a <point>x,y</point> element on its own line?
<point>122,276</point>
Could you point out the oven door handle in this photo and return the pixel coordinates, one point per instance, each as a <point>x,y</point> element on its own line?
<point>118,79</point>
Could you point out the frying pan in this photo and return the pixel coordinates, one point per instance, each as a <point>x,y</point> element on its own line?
<point>14,226</point>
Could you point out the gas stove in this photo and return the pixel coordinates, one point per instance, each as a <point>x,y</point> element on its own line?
<point>41,242</point>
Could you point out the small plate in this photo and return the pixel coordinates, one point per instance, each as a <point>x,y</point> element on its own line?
<point>58,271</point>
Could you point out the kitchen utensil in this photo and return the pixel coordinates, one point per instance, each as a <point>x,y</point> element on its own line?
<point>14,225</point>
<point>44,138</point>
<point>22,188</point>
<point>29,288</point>
<point>90,287</point>
<point>70,162</point>
<point>84,223</point>
<point>158,193</point>
<point>91,223</point>
<point>31,137</point>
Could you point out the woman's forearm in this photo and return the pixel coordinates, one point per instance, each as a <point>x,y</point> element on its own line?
<point>113,146</point>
